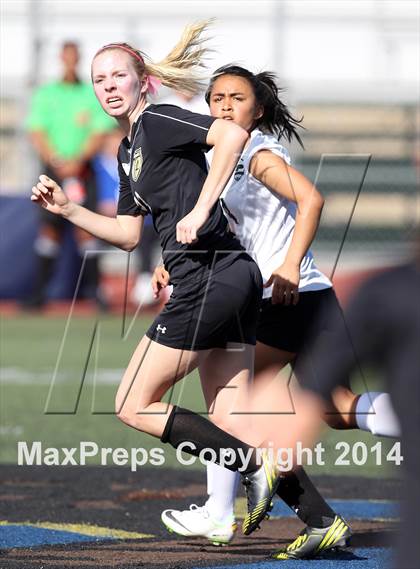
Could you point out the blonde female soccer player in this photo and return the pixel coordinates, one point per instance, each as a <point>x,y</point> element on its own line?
<point>217,286</point>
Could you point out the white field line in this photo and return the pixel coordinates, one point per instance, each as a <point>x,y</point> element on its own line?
<point>19,376</point>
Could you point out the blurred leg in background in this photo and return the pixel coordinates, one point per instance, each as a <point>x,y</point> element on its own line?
<point>148,257</point>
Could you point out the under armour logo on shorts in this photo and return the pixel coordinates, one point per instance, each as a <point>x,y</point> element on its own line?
<point>161,328</point>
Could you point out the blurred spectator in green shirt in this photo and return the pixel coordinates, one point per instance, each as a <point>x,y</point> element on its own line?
<point>67,127</point>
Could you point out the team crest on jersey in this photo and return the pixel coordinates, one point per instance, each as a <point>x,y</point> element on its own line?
<point>137,164</point>
<point>239,172</point>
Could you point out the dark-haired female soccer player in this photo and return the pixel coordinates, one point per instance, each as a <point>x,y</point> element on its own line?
<point>275,212</point>
<point>217,286</point>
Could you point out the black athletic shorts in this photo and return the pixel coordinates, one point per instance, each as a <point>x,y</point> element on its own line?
<point>301,328</point>
<point>219,307</point>
<point>291,327</point>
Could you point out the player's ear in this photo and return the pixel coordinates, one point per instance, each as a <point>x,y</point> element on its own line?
<point>259,111</point>
<point>144,85</point>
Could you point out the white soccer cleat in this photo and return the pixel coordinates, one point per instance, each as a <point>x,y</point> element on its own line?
<point>196,522</point>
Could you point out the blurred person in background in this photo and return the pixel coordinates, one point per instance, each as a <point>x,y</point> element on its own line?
<point>382,322</point>
<point>66,126</point>
<point>147,255</point>
<point>105,167</point>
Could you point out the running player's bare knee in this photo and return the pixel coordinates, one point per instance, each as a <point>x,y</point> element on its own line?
<point>125,414</point>
<point>125,410</point>
<point>132,416</point>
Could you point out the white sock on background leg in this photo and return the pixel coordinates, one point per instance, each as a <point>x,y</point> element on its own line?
<point>222,485</point>
<point>374,413</point>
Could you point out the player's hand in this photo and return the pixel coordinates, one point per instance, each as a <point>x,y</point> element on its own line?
<point>49,195</point>
<point>285,281</point>
<point>187,228</point>
<point>160,280</point>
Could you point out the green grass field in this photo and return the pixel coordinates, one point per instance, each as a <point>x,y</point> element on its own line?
<point>58,383</point>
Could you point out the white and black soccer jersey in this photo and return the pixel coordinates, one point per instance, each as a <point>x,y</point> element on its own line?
<point>263,221</point>
<point>162,171</point>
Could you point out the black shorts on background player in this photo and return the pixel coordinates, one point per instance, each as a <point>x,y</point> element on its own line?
<point>301,328</point>
<point>162,172</point>
<point>290,327</point>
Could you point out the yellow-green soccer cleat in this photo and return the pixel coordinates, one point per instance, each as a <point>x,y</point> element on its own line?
<point>312,541</point>
<point>260,487</point>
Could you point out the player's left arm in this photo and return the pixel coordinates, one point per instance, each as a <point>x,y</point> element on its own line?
<point>285,181</point>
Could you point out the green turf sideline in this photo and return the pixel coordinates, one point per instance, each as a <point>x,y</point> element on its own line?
<point>31,346</point>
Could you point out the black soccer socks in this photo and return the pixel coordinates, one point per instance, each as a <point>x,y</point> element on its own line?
<point>198,434</point>
<point>299,493</point>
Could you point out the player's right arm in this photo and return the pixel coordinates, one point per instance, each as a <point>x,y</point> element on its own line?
<point>124,231</point>
<point>228,140</point>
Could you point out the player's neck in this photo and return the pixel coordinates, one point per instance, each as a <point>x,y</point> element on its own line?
<point>127,123</point>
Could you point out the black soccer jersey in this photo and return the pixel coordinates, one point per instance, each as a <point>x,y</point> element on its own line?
<point>162,172</point>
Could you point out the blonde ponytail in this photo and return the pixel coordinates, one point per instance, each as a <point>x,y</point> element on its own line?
<point>179,69</point>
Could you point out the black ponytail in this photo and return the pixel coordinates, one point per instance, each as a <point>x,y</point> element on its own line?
<point>276,118</point>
